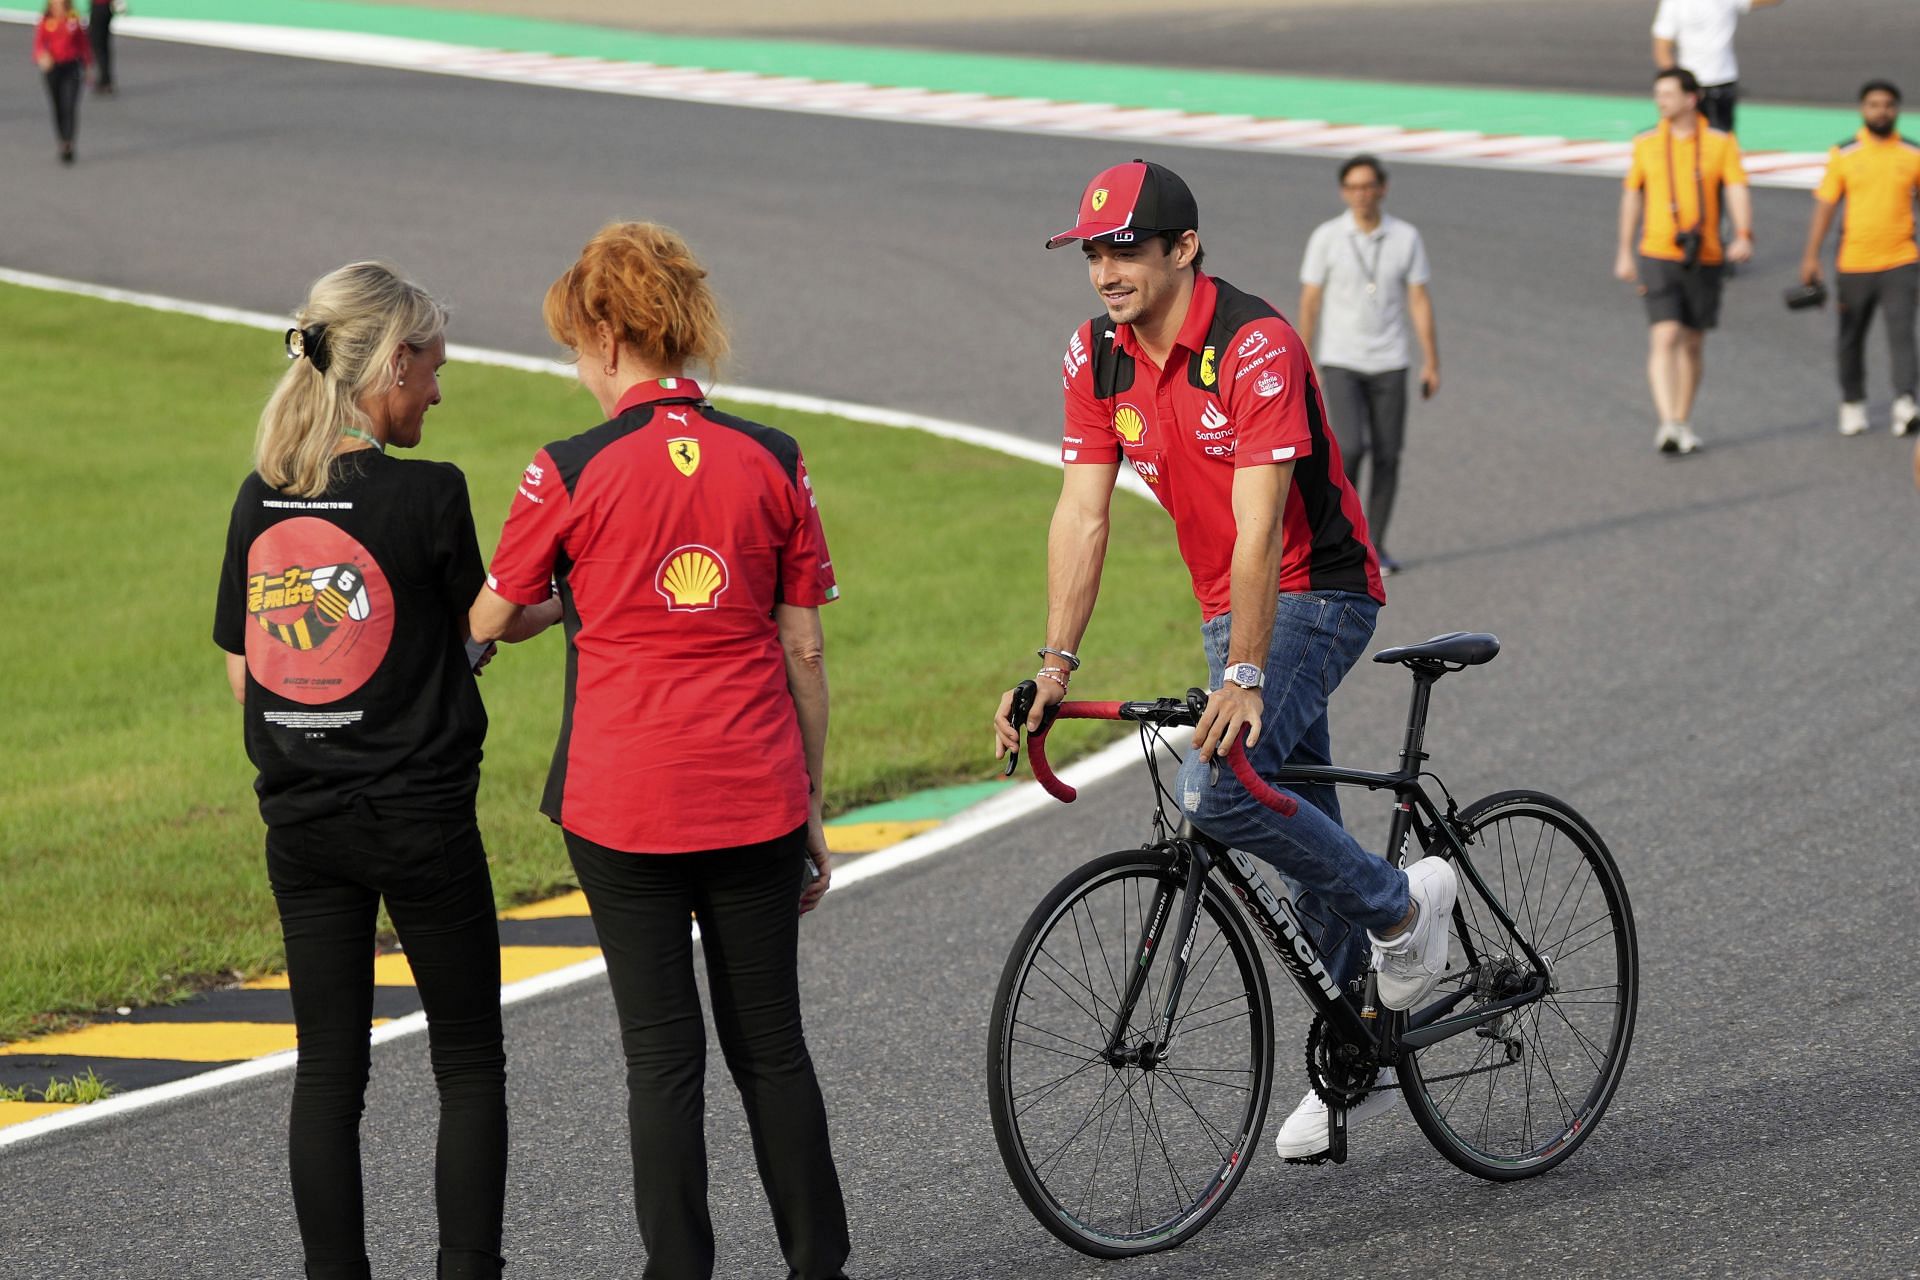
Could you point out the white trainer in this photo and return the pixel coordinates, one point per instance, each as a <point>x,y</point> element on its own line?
<point>1414,960</point>
<point>1666,439</point>
<point>1853,418</point>
<point>1906,415</point>
<point>1305,1134</point>
<point>1684,438</point>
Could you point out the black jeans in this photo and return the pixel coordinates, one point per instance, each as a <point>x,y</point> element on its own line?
<point>1860,294</point>
<point>328,879</point>
<point>100,37</point>
<point>63,91</point>
<point>1717,102</point>
<point>1369,413</point>
<point>747,901</point>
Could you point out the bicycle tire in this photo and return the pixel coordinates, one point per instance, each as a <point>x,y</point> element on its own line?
<point>1571,1045</point>
<point>1051,1185</point>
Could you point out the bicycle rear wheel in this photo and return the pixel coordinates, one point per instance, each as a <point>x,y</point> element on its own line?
<point>1115,1156</point>
<point>1516,1096</point>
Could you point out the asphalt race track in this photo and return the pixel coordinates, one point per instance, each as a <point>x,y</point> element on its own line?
<point>1711,657</point>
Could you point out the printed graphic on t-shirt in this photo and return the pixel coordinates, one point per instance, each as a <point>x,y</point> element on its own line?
<point>692,578</point>
<point>320,610</point>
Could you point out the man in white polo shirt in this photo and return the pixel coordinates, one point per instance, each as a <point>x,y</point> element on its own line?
<point>1698,35</point>
<point>1363,286</point>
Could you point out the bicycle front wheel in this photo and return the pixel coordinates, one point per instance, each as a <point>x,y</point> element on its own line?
<point>1115,1150</point>
<point>1515,1096</point>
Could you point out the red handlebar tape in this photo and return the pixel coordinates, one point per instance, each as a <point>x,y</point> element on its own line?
<point>1258,787</point>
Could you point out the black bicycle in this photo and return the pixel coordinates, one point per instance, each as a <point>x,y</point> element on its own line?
<point>1131,1052</point>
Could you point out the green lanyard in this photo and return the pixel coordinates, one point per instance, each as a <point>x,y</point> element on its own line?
<point>358,434</point>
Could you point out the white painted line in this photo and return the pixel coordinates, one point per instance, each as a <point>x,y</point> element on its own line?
<point>859,101</point>
<point>1018,801</point>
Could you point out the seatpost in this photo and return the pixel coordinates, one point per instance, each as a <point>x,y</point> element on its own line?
<point>1413,753</point>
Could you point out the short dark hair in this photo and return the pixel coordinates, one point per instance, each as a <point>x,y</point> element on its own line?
<point>1879,86</point>
<point>1689,83</point>
<point>1364,161</point>
<point>1168,239</point>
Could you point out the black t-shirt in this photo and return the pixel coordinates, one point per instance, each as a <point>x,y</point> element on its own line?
<point>351,610</point>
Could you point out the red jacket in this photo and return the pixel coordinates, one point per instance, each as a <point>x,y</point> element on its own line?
<point>62,41</point>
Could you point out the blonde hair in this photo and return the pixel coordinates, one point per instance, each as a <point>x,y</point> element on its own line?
<point>643,282</point>
<point>368,310</point>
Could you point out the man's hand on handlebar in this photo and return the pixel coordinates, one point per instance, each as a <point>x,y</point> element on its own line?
<point>1006,737</point>
<point>1230,709</point>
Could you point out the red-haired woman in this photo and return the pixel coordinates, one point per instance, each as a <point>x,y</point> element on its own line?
<point>61,52</point>
<point>690,563</point>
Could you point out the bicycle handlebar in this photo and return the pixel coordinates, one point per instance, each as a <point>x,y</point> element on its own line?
<point>1258,787</point>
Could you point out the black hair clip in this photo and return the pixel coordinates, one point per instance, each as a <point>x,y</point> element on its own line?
<point>310,342</point>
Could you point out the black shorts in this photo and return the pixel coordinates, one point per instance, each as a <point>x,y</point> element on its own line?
<point>1690,295</point>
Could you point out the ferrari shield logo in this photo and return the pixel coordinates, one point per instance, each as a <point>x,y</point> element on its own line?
<point>685,452</point>
<point>1099,199</point>
<point>1207,369</point>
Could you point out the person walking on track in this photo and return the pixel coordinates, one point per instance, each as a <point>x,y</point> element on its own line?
<point>1210,397</point>
<point>1363,293</point>
<point>61,52</point>
<point>1877,173</point>
<point>1697,36</point>
<point>100,39</point>
<point>342,610</point>
<point>686,545</point>
<point>1682,174</point>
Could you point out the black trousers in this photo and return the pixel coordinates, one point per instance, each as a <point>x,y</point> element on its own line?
<point>1369,420</point>
<point>1717,102</point>
<point>63,91</point>
<point>328,879</point>
<point>746,900</point>
<point>100,37</point>
<point>1860,294</point>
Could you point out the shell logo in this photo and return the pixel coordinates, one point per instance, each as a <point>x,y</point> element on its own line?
<point>692,579</point>
<point>1128,424</point>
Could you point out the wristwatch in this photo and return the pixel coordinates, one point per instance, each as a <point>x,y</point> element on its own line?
<point>1246,675</point>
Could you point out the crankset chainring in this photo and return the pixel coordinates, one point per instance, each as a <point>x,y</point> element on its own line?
<point>1341,1072</point>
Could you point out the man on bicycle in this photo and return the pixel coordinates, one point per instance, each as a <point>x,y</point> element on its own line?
<point>1208,394</point>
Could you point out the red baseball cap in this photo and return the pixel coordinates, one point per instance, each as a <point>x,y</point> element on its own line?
<point>1129,200</point>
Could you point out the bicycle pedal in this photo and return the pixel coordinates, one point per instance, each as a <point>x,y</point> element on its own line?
<point>1318,1157</point>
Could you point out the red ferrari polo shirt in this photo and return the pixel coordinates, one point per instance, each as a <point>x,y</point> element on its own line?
<point>671,532</point>
<point>1238,391</point>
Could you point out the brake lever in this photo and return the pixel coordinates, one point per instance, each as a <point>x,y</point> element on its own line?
<point>1023,695</point>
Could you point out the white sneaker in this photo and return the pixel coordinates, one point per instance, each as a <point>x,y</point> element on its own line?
<point>1667,438</point>
<point>1683,435</point>
<point>1305,1133</point>
<point>1853,418</point>
<point>1906,415</point>
<point>1413,961</point>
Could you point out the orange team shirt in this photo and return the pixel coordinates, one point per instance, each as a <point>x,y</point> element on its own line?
<point>1720,167</point>
<point>1878,178</point>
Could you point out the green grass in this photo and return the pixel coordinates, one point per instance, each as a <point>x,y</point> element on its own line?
<point>129,841</point>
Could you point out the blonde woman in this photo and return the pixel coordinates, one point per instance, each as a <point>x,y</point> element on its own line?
<point>342,612</point>
<point>688,548</point>
<point>61,52</point>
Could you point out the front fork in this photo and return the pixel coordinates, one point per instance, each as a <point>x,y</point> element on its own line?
<point>1173,918</point>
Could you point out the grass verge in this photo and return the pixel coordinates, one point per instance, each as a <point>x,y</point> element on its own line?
<point>129,840</point>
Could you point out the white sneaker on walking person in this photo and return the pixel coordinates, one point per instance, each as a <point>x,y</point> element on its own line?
<point>1666,439</point>
<point>1305,1134</point>
<point>1413,961</point>
<point>1906,415</point>
<point>1684,437</point>
<point>1853,418</point>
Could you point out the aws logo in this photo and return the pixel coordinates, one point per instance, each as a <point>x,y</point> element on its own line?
<point>691,579</point>
<point>1128,424</point>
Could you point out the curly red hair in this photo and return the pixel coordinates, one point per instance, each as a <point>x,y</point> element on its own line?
<point>643,282</point>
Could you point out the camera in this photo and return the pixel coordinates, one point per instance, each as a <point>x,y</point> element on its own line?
<point>1688,243</point>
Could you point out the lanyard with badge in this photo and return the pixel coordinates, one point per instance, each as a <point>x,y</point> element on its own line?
<point>1372,273</point>
<point>1688,242</point>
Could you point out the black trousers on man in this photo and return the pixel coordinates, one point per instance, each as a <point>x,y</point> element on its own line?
<point>100,37</point>
<point>63,91</point>
<point>747,903</point>
<point>1369,413</point>
<point>1717,102</point>
<point>1860,294</point>
<point>329,877</point>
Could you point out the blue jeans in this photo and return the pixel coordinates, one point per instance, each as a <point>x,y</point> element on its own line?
<point>1339,887</point>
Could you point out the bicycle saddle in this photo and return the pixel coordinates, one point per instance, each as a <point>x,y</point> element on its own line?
<point>1465,648</point>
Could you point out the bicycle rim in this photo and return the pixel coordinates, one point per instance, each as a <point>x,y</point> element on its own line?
<point>1114,1158</point>
<point>1514,1097</point>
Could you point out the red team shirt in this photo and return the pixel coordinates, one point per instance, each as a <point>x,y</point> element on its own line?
<point>1238,391</point>
<point>671,532</point>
